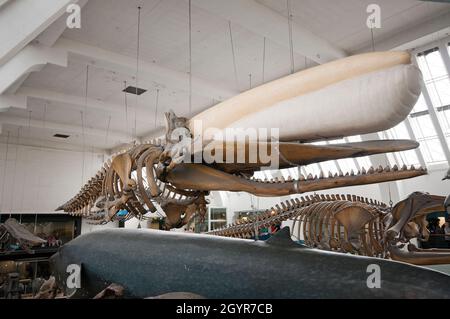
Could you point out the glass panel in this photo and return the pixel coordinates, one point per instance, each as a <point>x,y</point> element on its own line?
<point>438,87</point>
<point>362,161</point>
<point>219,214</point>
<point>420,105</point>
<point>347,164</point>
<point>328,166</point>
<point>431,65</point>
<point>437,154</point>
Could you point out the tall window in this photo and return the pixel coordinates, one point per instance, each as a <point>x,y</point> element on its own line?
<point>420,124</point>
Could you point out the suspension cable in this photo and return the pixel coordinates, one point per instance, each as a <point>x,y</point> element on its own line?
<point>190,59</point>
<point>107,130</point>
<point>5,170</point>
<point>84,144</point>
<point>156,105</point>
<point>137,68</point>
<point>234,57</point>
<point>15,171</point>
<point>24,175</point>
<point>264,60</point>
<point>291,46</point>
<point>126,106</point>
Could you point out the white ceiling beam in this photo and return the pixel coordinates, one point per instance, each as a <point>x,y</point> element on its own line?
<point>274,26</point>
<point>124,64</point>
<point>78,102</point>
<point>22,20</point>
<point>11,100</point>
<point>56,145</point>
<point>56,29</point>
<point>32,58</point>
<point>64,128</point>
<point>413,37</point>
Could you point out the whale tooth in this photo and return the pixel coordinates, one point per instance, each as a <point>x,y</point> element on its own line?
<point>358,173</point>
<point>363,171</point>
<point>289,178</point>
<point>395,167</point>
<point>341,173</point>
<point>371,170</point>
<point>321,175</point>
<point>412,168</point>
<point>336,174</point>
<point>330,174</point>
<point>387,168</point>
<point>282,180</point>
<point>380,169</point>
<point>404,167</point>
<point>302,177</point>
<point>352,172</point>
<point>310,176</point>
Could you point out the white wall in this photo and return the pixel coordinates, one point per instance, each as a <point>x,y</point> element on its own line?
<point>38,179</point>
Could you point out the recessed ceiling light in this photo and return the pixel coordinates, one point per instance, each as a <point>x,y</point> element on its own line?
<point>61,135</point>
<point>134,90</point>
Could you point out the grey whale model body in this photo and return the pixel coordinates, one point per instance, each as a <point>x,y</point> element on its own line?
<point>150,263</point>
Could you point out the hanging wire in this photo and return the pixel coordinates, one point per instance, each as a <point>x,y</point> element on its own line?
<point>371,33</point>
<point>190,59</point>
<point>44,120</point>
<point>264,60</point>
<point>250,80</point>
<point>137,67</point>
<point>291,46</point>
<point>86,88</point>
<point>390,196</point>
<point>107,130</point>
<point>15,170</point>
<point>24,175</point>
<point>4,169</point>
<point>156,105</point>
<point>83,114</point>
<point>234,56</point>
<point>126,106</point>
<point>84,144</point>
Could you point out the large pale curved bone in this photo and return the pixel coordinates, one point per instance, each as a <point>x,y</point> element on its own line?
<point>368,103</point>
<point>204,178</point>
<point>353,218</point>
<point>416,205</point>
<point>258,99</point>
<point>293,154</point>
<point>422,257</point>
<point>122,165</point>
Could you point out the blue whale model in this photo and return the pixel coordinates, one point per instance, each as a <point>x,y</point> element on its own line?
<point>149,263</point>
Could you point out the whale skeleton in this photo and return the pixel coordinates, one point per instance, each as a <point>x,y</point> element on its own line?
<point>353,224</point>
<point>355,95</point>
